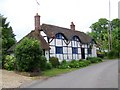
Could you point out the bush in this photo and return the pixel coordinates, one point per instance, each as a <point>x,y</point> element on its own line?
<point>43,62</point>
<point>48,66</point>
<point>74,64</point>
<point>113,54</point>
<point>54,61</point>
<point>64,62</point>
<point>28,55</point>
<point>94,59</point>
<point>64,65</point>
<point>9,62</point>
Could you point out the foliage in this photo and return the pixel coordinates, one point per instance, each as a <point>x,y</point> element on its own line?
<point>94,59</point>
<point>8,38</point>
<point>43,62</point>
<point>9,62</point>
<point>100,33</point>
<point>48,66</point>
<point>28,54</point>
<point>113,54</point>
<point>74,64</point>
<point>54,61</point>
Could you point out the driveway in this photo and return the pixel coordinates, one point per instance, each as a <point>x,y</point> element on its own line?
<point>102,75</point>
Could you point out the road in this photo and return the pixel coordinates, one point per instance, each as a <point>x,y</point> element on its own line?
<point>102,75</point>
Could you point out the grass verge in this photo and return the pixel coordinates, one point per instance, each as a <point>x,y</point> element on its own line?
<point>56,71</point>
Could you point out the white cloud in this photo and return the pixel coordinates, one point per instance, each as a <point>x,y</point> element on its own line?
<point>83,13</point>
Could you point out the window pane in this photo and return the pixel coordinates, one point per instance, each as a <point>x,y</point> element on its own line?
<point>58,36</point>
<point>59,50</point>
<point>75,50</point>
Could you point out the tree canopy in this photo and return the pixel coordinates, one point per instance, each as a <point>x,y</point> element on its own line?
<point>7,36</point>
<point>100,33</point>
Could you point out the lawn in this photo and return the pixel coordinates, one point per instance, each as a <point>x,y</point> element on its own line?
<point>56,71</point>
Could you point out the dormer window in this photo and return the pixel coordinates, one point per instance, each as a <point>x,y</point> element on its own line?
<point>58,36</point>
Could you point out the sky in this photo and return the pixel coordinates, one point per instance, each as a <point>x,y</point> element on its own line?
<point>20,13</point>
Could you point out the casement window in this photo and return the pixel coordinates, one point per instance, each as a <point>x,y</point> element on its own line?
<point>89,51</point>
<point>58,36</point>
<point>74,50</point>
<point>59,50</point>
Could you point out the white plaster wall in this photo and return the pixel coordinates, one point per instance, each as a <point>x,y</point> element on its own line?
<point>86,51</point>
<point>52,50</point>
<point>58,42</point>
<point>60,56</point>
<point>47,54</point>
<point>69,56</point>
<point>69,50</point>
<point>64,49</point>
<point>74,43</point>
<point>94,53</point>
<point>79,50</point>
<point>52,55</point>
<point>65,56</point>
<point>69,44</point>
<point>75,56</point>
<point>53,42</point>
<point>64,44</point>
<point>79,56</point>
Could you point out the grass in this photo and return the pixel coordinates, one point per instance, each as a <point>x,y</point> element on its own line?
<point>56,71</point>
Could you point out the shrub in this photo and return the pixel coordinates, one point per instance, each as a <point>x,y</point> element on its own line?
<point>43,62</point>
<point>74,64</point>
<point>94,59</point>
<point>9,62</point>
<point>113,54</point>
<point>28,55</point>
<point>48,66</point>
<point>82,64</point>
<point>54,61</point>
<point>64,64</point>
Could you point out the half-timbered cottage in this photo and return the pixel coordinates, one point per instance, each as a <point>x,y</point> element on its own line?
<point>63,43</point>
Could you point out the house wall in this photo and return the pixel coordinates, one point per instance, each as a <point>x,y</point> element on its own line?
<point>67,49</point>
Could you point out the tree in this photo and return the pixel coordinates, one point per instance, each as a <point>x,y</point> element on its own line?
<point>28,55</point>
<point>100,33</point>
<point>8,37</point>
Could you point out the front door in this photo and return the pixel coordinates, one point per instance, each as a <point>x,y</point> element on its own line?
<point>83,53</point>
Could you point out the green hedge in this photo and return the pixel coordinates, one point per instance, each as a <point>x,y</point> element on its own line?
<point>54,61</point>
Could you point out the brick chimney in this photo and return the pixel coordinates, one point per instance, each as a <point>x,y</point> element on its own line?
<point>37,23</point>
<point>72,26</point>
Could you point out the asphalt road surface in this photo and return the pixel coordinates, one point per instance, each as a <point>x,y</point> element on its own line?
<point>102,75</point>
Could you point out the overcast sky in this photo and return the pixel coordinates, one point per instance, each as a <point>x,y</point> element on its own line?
<point>20,13</point>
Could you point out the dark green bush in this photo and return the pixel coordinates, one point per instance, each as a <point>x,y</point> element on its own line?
<point>74,64</point>
<point>64,62</point>
<point>94,59</point>
<point>43,62</point>
<point>28,55</point>
<point>48,66</point>
<point>113,54</point>
<point>64,66</point>
<point>54,61</point>
<point>9,62</point>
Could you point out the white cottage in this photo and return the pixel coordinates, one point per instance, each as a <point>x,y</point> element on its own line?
<point>63,43</point>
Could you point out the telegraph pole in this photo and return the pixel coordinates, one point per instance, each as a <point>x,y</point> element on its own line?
<point>109,29</point>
